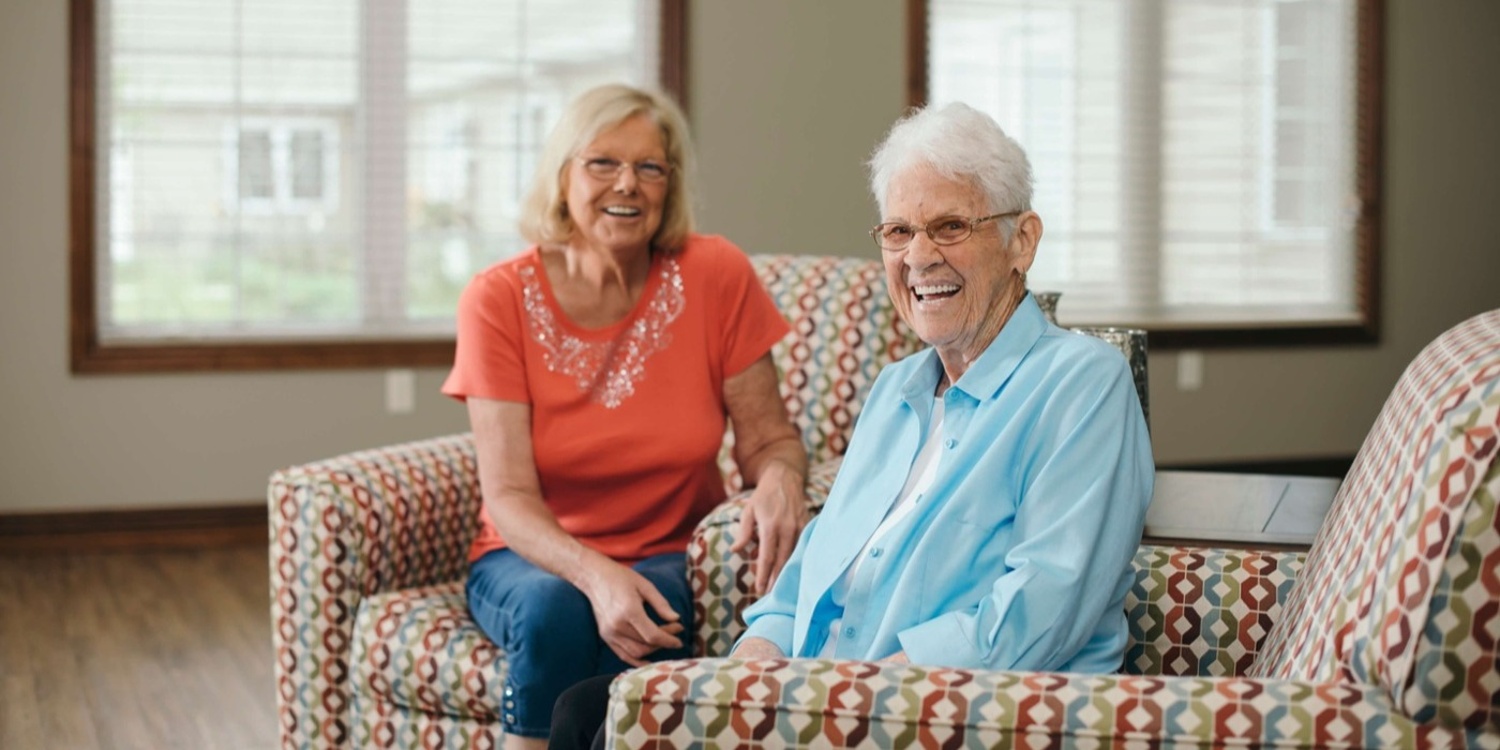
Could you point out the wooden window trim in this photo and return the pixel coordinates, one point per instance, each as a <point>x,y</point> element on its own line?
<point>90,355</point>
<point>1369,129</point>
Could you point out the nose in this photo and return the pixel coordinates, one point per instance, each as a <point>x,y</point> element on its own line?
<point>923,253</point>
<point>626,181</point>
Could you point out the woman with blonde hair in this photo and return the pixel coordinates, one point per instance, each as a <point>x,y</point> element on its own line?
<point>569,356</point>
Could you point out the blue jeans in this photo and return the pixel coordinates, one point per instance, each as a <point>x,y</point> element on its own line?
<point>546,627</point>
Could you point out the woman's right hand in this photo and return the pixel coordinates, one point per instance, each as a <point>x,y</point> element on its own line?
<point>619,597</point>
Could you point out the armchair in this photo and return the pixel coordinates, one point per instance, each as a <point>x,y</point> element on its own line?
<point>374,645</point>
<point>1385,634</point>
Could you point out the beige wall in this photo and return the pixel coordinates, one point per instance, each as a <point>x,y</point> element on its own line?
<point>787,98</point>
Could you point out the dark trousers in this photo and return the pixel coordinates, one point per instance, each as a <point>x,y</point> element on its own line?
<point>578,717</point>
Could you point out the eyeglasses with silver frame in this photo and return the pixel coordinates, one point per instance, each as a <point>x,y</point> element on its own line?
<point>944,230</point>
<point>605,168</point>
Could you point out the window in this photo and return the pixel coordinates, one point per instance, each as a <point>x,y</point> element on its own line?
<point>1207,170</point>
<point>311,183</point>
<point>283,167</point>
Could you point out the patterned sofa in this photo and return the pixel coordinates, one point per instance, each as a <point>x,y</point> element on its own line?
<point>1386,634</point>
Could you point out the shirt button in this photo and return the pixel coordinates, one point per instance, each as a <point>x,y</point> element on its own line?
<point>952,443</point>
<point>875,552</point>
<point>509,691</point>
<point>510,704</point>
<point>848,632</point>
<point>510,718</point>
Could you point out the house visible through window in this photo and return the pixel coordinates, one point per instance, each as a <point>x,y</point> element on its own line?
<point>1197,164</point>
<point>283,168</point>
<point>323,171</point>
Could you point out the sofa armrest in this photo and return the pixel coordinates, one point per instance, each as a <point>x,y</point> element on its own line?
<point>1204,612</point>
<point>826,703</point>
<point>342,530</point>
<point>720,579</point>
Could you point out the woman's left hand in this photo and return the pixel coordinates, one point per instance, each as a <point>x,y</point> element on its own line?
<point>769,452</point>
<point>773,517</point>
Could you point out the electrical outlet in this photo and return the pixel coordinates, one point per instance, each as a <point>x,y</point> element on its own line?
<point>1189,370</point>
<point>400,391</point>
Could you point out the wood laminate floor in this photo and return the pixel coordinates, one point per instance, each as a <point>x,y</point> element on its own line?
<point>145,649</point>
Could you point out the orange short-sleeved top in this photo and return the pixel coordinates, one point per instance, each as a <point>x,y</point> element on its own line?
<point>627,420</point>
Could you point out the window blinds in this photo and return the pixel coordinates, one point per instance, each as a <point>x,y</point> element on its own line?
<point>327,169</point>
<point>1194,160</point>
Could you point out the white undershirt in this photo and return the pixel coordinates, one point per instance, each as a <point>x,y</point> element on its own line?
<point>923,473</point>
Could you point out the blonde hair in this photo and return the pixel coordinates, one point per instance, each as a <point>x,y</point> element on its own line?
<point>544,212</point>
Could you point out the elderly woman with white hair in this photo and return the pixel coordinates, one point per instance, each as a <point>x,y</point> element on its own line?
<point>995,487</point>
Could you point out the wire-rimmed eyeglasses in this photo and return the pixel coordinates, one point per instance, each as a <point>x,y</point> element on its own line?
<point>605,168</point>
<point>944,230</point>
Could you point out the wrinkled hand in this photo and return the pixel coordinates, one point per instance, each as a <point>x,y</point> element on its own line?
<point>619,597</point>
<point>756,648</point>
<point>772,518</point>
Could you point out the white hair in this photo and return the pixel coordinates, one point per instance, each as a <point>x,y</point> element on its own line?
<point>959,142</point>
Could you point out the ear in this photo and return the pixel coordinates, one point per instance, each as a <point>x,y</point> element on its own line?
<point>1027,236</point>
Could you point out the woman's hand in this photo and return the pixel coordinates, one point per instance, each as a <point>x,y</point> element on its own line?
<point>619,597</point>
<point>756,648</point>
<point>772,518</point>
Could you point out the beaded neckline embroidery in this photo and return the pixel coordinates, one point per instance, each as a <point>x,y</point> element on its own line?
<point>606,370</point>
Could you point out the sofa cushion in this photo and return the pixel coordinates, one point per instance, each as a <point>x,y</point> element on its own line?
<point>775,703</point>
<point>419,649</point>
<point>1203,612</point>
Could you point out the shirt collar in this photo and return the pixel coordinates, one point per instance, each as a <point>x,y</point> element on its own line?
<point>993,367</point>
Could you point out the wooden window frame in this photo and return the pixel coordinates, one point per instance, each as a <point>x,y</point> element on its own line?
<point>1369,134</point>
<point>88,354</point>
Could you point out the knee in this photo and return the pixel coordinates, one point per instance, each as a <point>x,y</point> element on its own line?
<point>551,611</point>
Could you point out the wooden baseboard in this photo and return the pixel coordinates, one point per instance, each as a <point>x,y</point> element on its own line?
<point>1336,467</point>
<point>145,528</point>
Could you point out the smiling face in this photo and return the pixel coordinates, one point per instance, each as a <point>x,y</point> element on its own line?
<point>619,214</point>
<point>955,297</point>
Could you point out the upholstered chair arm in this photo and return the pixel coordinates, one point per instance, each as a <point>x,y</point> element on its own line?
<point>720,579</point>
<point>345,529</point>
<point>1204,612</point>
<point>825,703</point>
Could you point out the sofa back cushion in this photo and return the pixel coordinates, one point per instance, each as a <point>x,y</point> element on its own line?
<point>844,331</point>
<point>1203,612</point>
<point>1400,588</point>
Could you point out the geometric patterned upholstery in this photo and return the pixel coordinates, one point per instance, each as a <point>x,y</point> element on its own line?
<point>1403,581</point>
<point>1204,612</point>
<point>818,703</point>
<point>415,649</point>
<point>844,331</point>
<point>344,531</point>
<point>1386,634</point>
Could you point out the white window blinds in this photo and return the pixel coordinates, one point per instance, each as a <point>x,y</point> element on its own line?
<point>1194,160</point>
<point>288,170</point>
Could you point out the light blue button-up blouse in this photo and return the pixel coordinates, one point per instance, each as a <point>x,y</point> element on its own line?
<point>1018,556</point>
